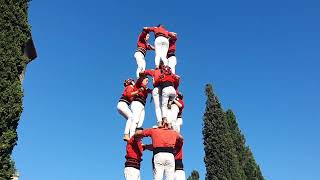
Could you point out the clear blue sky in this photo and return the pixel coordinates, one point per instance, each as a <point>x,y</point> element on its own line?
<point>261,56</point>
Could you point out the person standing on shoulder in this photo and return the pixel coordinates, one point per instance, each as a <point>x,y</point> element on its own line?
<point>169,84</point>
<point>156,92</point>
<point>140,54</point>
<point>140,95</point>
<point>177,106</point>
<point>171,55</point>
<point>161,43</point>
<point>124,103</point>
<point>134,150</point>
<point>163,143</point>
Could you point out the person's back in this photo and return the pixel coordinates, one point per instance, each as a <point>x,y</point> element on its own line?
<point>163,142</point>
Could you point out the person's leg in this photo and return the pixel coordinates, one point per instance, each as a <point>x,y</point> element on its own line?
<point>136,108</point>
<point>164,50</point>
<point>167,93</point>
<point>141,117</point>
<point>172,63</point>
<point>158,166</point>
<point>169,166</point>
<point>131,173</point>
<point>125,111</point>
<point>179,175</point>
<point>157,47</point>
<point>141,62</point>
<point>173,116</point>
<point>156,100</point>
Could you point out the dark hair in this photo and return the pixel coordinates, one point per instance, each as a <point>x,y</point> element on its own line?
<point>160,25</point>
<point>139,128</point>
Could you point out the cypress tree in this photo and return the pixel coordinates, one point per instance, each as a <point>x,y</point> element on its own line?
<point>250,170</point>
<point>194,175</point>
<point>14,33</point>
<point>220,156</point>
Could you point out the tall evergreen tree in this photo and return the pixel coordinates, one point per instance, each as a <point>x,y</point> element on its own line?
<point>246,160</point>
<point>14,33</point>
<point>220,155</point>
<point>194,175</point>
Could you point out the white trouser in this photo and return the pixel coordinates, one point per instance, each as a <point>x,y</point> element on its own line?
<point>131,173</point>
<point>167,93</point>
<point>172,62</point>
<point>124,110</point>
<point>156,95</point>
<point>141,62</point>
<point>138,116</point>
<point>178,124</point>
<point>173,114</point>
<point>164,165</point>
<point>179,175</point>
<point>161,45</point>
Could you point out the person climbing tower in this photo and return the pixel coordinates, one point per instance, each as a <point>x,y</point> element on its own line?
<point>171,55</point>
<point>156,92</point>
<point>140,54</point>
<point>161,43</point>
<point>177,106</point>
<point>124,103</point>
<point>169,84</point>
<point>138,103</point>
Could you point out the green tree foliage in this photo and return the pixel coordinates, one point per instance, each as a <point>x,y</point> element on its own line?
<point>194,175</point>
<point>245,156</point>
<point>14,32</point>
<point>220,156</point>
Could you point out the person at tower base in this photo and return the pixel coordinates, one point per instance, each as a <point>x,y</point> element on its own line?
<point>156,92</point>
<point>124,103</point>
<point>134,150</point>
<point>163,143</point>
<point>169,83</point>
<point>138,103</point>
<point>179,173</point>
<point>140,54</point>
<point>161,43</point>
<point>171,55</point>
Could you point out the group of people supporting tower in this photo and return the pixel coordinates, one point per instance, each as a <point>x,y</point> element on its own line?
<point>167,141</point>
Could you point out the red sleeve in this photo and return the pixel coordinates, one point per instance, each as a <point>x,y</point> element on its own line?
<point>149,72</point>
<point>128,91</point>
<point>176,82</point>
<point>142,35</point>
<point>147,132</point>
<point>150,29</point>
<point>149,47</point>
<point>138,83</point>
<point>182,103</point>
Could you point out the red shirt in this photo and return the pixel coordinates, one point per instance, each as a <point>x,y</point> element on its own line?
<point>134,149</point>
<point>170,78</point>
<point>161,137</point>
<point>126,95</point>
<point>172,44</point>
<point>142,44</point>
<point>178,150</point>
<point>142,94</point>
<point>182,103</point>
<point>155,75</point>
<point>159,31</point>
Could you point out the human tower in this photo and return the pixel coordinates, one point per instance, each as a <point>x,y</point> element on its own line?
<point>167,141</point>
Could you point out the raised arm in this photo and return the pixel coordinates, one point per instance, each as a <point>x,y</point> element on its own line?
<point>149,29</point>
